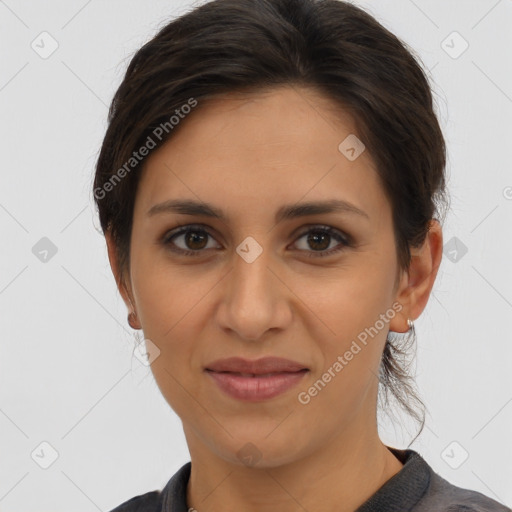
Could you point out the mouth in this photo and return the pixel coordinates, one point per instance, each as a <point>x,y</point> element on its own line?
<point>256,388</point>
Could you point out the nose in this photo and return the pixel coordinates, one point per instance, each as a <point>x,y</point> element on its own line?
<point>254,299</point>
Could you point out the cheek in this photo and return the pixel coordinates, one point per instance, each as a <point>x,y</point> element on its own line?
<point>350,369</point>
<point>344,301</point>
<point>164,292</point>
<point>171,315</point>
<point>351,321</point>
<point>171,306</point>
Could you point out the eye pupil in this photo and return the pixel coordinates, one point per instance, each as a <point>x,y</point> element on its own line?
<point>315,235</point>
<point>194,236</point>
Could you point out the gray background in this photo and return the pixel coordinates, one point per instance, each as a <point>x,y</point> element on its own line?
<point>67,373</point>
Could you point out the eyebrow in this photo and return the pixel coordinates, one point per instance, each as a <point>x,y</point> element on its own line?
<point>286,212</point>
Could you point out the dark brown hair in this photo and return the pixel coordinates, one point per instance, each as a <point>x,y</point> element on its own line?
<point>331,46</point>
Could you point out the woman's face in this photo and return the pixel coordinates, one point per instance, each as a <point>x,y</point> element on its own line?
<point>255,287</point>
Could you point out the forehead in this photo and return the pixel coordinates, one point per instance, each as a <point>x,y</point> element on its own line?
<point>280,144</point>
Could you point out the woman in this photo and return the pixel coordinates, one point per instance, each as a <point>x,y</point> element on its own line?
<point>270,187</point>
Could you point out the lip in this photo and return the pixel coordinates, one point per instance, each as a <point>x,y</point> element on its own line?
<point>257,380</point>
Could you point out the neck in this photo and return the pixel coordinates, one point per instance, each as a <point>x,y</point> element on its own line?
<point>338,478</point>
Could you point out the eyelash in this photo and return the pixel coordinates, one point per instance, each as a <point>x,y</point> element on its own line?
<point>344,239</point>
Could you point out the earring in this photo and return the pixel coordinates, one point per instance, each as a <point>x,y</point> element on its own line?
<point>410,323</point>
<point>131,320</point>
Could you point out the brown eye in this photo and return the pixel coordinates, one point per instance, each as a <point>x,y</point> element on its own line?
<point>189,240</point>
<point>319,239</point>
<point>195,239</point>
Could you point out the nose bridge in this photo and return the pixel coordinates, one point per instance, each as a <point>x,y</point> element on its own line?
<point>251,277</point>
<point>251,298</point>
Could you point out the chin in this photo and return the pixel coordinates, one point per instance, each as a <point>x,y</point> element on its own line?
<point>260,452</point>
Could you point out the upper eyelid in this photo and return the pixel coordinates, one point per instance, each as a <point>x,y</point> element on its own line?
<point>183,228</point>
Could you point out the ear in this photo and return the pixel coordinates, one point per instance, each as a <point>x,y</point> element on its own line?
<point>123,285</point>
<point>416,284</point>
